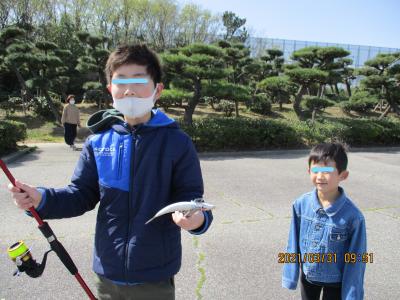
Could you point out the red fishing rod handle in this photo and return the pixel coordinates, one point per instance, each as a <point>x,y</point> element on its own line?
<point>40,221</point>
<point>85,287</point>
<point>10,177</point>
<point>7,172</point>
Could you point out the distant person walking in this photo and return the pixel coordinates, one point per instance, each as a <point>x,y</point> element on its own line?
<point>70,120</point>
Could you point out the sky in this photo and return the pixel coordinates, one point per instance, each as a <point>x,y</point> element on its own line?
<point>356,22</point>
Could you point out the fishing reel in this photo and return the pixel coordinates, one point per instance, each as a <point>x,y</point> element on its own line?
<point>22,257</point>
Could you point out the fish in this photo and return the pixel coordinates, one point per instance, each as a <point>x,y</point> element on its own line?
<point>186,207</point>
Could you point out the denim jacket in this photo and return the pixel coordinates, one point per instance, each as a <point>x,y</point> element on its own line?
<point>337,229</point>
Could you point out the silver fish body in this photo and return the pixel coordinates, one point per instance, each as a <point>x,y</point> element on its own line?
<point>186,207</point>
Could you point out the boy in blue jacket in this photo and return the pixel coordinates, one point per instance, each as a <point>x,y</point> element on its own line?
<point>136,162</point>
<point>327,229</point>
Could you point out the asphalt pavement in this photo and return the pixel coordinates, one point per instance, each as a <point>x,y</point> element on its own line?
<point>238,257</point>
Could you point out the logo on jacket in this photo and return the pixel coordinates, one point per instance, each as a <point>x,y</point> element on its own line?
<point>104,151</point>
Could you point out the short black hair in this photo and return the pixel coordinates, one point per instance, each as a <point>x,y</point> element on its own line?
<point>329,151</point>
<point>138,54</point>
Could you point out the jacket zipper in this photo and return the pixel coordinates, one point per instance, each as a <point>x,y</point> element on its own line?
<point>132,166</point>
<point>120,153</point>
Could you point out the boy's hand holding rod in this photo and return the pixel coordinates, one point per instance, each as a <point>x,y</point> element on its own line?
<point>55,245</point>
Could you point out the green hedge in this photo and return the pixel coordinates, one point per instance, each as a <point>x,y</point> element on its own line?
<point>260,104</point>
<point>11,132</point>
<point>213,134</point>
<point>360,101</point>
<point>224,134</point>
<point>311,103</point>
<point>355,132</point>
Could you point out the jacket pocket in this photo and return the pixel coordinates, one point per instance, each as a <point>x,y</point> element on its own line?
<point>147,247</point>
<point>120,159</point>
<point>146,256</point>
<point>338,235</point>
<point>338,241</point>
<point>173,247</point>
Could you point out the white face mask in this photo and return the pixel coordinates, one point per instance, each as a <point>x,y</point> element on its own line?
<point>135,107</point>
<point>72,101</point>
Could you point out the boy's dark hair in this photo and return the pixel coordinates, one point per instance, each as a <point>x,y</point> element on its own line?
<point>138,54</point>
<point>329,151</point>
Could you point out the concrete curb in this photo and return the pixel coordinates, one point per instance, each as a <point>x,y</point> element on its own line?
<point>304,151</point>
<point>256,153</point>
<point>16,155</point>
<point>375,149</point>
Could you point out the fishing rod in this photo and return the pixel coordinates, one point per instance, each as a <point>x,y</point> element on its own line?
<point>21,254</point>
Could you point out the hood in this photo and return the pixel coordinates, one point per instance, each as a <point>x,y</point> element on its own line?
<point>105,119</point>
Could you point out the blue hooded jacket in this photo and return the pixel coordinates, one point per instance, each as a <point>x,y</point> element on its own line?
<point>133,173</point>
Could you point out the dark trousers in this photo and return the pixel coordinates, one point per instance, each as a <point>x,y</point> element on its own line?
<point>163,290</point>
<point>69,133</point>
<point>311,291</point>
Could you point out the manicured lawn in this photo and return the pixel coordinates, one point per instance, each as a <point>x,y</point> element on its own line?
<point>40,130</point>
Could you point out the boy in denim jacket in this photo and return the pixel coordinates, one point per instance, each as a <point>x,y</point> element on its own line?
<point>326,226</point>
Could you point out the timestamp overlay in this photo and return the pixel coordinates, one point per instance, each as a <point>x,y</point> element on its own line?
<point>348,257</point>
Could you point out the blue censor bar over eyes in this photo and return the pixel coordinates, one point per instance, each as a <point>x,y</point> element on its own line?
<point>129,80</point>
<point>322,169</point>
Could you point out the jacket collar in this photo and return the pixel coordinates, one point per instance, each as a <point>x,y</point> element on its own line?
<point>158,119</point>
<point>331,210</point>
